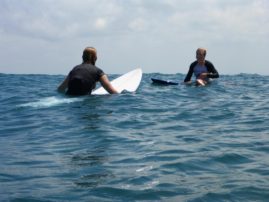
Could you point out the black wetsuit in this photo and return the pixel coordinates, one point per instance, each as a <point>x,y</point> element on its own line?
<point>210,69</point>
<point>82,79</point>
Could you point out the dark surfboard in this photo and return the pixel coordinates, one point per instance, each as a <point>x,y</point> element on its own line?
<point>163,82</point>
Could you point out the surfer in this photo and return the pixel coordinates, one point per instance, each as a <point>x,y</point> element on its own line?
<point>202,69</point>
<point>82,79</point>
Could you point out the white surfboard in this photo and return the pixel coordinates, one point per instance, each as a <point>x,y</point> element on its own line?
<point>129,82</point>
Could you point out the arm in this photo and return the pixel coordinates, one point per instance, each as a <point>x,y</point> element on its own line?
<point>62,87</point>
<point>189,74</point>
<point>107,85</point>
<point>212,72</point>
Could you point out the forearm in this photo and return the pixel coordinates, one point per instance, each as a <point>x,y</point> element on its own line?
<point>212,72</point>
<point>188,77</point>
<point>107,85</point>
<point>190,73</point>
<point>213,75</point>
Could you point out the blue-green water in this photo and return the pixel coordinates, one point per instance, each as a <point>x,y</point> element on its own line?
<point>162,143</point>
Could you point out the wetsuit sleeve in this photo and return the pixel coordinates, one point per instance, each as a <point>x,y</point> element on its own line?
<point>190,72</point>
<point>212,70</point>
<point>100,73</point>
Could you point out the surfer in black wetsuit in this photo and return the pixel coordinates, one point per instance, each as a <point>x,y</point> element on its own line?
<point>202,69</point>
<point>82,79</point>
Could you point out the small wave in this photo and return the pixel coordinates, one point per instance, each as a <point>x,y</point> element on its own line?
<point>49,102</point>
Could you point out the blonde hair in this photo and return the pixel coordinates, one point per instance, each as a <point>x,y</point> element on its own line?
<point>202,50</point>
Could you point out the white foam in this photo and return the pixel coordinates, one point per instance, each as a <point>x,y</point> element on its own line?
<point>146,168</point>
<point>49,102</point>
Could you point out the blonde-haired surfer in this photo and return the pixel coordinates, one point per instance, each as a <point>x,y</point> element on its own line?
<point>202,69</point>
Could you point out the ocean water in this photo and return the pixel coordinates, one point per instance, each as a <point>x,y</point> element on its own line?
<point>162,143</point>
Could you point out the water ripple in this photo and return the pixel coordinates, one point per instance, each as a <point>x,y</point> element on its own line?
<point>162,143</point>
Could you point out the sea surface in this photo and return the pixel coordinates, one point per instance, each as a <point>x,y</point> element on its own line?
<point>162,143</point>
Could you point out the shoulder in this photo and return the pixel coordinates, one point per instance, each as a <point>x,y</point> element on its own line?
<point>91,68</point>
<point>80,66</point>
<point>74,69</point>
<point>99,70</point>
<point>208,63</point>
<point>193,64</point>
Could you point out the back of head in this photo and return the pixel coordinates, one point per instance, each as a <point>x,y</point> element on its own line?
<point>89,55</point>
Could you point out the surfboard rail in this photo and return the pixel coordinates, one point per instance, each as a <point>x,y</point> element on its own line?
<point>163,82</point>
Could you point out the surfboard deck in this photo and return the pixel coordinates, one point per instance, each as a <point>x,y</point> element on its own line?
<point>127,82</point>
<point>163,82</point>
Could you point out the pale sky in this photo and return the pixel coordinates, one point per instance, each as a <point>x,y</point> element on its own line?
<point>48,36</point>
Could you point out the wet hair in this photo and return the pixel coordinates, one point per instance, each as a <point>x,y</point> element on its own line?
<point>89,55</point>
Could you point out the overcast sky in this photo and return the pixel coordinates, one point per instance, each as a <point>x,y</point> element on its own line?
<point>48,36</point>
